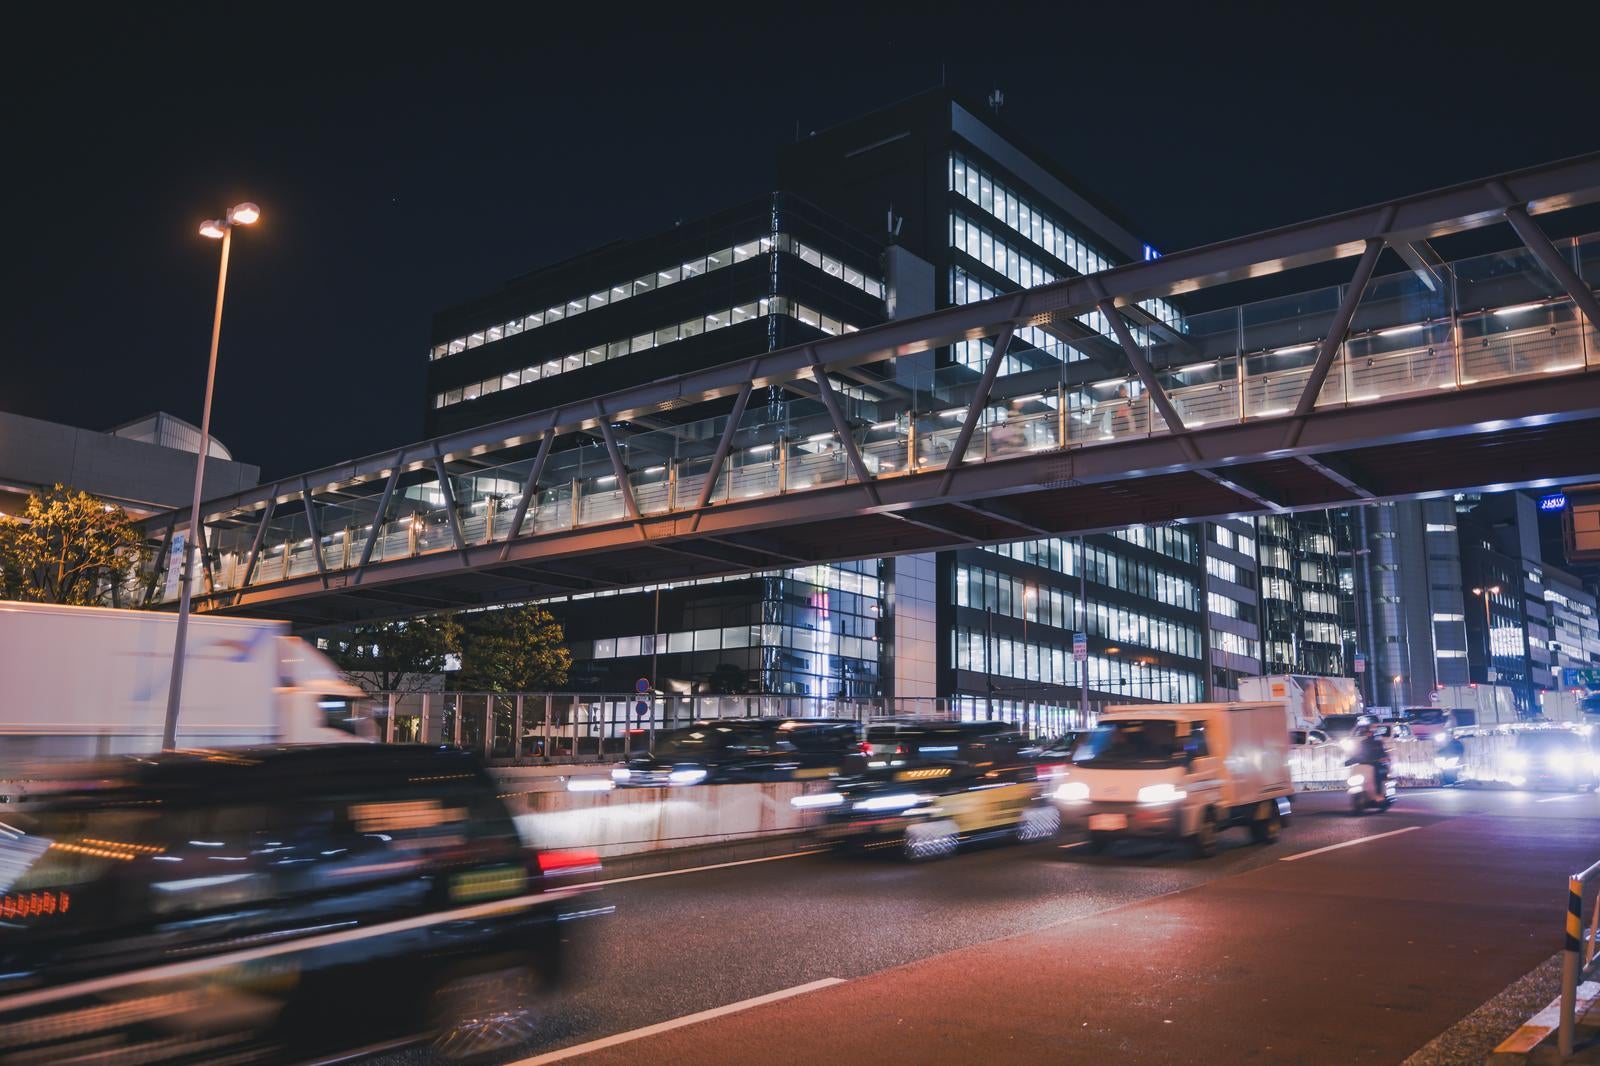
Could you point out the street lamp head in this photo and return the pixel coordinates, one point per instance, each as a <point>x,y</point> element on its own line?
<point>243,214</point>
<point>1495,589</point>
<point>212,228</point>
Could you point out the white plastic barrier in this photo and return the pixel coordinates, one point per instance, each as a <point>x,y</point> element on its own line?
<point>1322,765</point>
<point>626,821</point>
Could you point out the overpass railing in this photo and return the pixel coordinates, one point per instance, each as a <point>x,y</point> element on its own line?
<point>1394,357</point>
<point>1074,364</point>
<point>567,727</point>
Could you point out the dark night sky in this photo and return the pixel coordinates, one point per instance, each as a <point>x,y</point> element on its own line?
<point>405,163</point>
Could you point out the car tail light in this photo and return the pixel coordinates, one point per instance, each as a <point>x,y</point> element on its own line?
<point>864,748</point>
<point>899,749</point>
<point>566,863</point>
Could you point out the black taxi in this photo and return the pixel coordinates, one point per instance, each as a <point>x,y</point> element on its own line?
<point>276,904</point>
<point>955,783</point>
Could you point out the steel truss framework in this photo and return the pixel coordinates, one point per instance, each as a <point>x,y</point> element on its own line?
<point>1447,377</point>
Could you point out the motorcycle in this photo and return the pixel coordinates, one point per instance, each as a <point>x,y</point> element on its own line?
<point>1449,767</point>
<point>1363,789</point>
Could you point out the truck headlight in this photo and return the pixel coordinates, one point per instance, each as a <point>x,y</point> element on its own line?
<point>821,799</point>
<point>1073,791</point>
<point>895,801</point>
<point>1166,792</point>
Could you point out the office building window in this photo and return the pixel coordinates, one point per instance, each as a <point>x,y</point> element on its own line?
<point>660,279</point>
<point>969,180</point>
<point>645,341</point>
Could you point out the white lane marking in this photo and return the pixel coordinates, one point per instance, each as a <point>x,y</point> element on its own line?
<point>678,1023</point>
<point>1349,844</point>
<point>1079,844</point>
<point>693,869</point>
<point>1557,799</point>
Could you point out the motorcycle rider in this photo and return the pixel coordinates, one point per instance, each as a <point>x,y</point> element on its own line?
<point>1370,750</point>
<point>1450,757</point>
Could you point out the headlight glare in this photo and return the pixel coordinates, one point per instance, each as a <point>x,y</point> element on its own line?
<point>1165,792</point>
<point>1072,791</point>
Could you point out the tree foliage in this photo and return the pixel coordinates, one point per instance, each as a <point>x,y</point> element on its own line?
<point>728,679</point>
<point>518,649</point>
<point>67,547</point>
<point>396,656</point>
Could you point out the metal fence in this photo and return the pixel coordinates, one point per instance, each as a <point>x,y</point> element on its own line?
<point>573,727</point>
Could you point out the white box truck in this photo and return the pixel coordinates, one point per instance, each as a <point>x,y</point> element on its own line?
<point>1179,772</point>
<point>1306,698</point>
<point>82,682</point>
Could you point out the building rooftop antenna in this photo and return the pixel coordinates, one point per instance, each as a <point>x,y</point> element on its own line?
<point>997,99</point>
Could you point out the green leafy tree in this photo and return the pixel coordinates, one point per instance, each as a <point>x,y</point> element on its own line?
<point>518,649</point>
<point>728,679</point>
<point>68,547</point>
<point>395,656</point>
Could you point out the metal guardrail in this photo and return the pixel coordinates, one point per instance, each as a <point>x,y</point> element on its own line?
<point>569,727</point>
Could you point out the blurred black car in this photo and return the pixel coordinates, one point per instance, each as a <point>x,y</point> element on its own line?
<point>276,904</point>
<point>955,782</point>
<point>723,751</point>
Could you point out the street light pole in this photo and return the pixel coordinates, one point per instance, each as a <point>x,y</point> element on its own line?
<point>242,214</point>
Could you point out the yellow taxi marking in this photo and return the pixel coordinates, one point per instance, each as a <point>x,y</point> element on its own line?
<point>488,883</point>
<point>678,1023</point>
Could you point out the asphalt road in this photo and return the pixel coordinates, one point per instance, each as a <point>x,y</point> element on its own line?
<point>1047,954</point>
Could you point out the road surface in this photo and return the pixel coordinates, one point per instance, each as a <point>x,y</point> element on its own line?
<point>1303,951</point>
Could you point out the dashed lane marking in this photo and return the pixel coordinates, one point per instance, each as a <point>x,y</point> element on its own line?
<point>1348,844</point>
<point>678,1023</point>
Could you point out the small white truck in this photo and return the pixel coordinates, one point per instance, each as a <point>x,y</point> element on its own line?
<point>83,682</point>
<point>1306,699</point>
<point>1179,772</point>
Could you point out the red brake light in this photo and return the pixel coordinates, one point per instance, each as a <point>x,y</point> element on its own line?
<point>864,748</point>
<point>899,749</point>
<point>555,863</point>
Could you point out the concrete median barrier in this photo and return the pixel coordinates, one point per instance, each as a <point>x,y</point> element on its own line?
<point>635,820</point>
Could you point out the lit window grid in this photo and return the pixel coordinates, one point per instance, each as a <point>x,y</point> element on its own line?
<point>600,353</point>
<point>730,638</point>
<point>1061,556</point>
<point>1018,214</point>
<point>843,577</point>
<point>1176,542</point>
<point>966,288</point>
<point>660,279</point>
<point>1013,597</point>
<point>1053,664</point>
<point>1235,644</point>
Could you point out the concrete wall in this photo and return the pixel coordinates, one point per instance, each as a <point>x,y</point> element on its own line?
<point>631,820</point>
